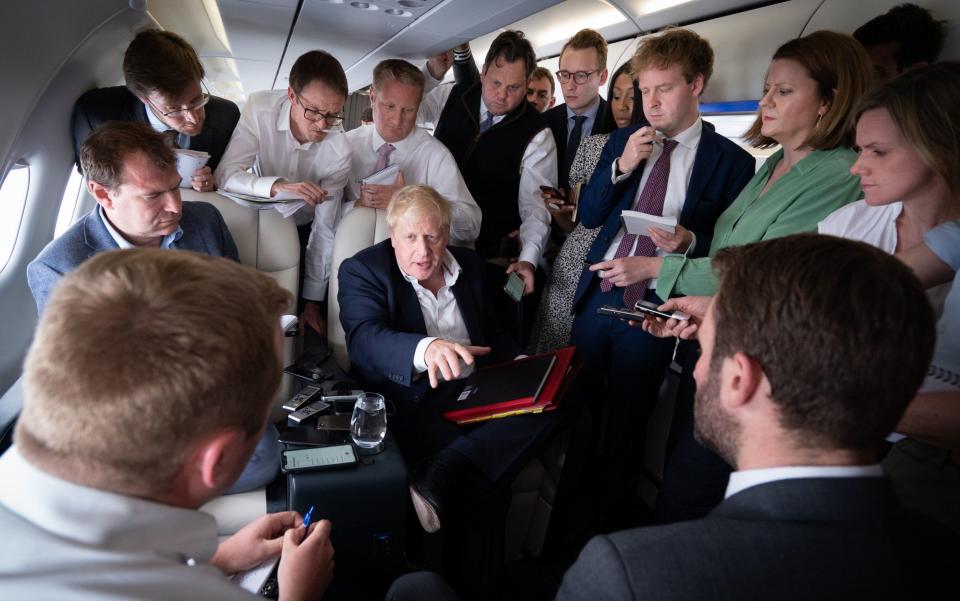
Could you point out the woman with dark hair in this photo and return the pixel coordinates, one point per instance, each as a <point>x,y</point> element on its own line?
<point>551,329</point>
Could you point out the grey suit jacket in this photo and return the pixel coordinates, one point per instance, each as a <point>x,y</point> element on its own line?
<point>203,231</point>
<point>819,538</point>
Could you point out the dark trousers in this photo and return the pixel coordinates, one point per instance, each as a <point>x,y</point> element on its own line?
<point>498,449</point>
<point>694,477</point>
<point>626,367</point>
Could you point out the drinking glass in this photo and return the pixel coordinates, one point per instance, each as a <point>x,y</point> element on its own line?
<point>368,424</point>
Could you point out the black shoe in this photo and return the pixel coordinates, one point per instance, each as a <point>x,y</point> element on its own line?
<point>429,487</point>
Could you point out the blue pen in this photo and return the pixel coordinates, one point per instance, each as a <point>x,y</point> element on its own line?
<point>306,520</point>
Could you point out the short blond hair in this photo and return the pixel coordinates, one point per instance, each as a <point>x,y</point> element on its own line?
<point>141,352</point>
<point>586,39</point>
<point>395,69</point>
<point>419,199</point>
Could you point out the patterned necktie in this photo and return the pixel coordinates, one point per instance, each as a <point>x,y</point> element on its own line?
<point>172,138</point>
<point>383,155</point>
<point>487,123</point>
<point>573,142</point>
<point>650,202</point>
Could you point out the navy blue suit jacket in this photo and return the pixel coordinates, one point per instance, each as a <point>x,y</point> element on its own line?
<point>558,121</point>
<point>720,170</point>
<point>96,107</point>
<point>203,231</point>
<point>381,316</point>
<point>811,538</point>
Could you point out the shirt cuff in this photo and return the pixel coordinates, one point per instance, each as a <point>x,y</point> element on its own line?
<point>463,56</point>
<point>263,185</point>
<point>614,178</point>
<point>313,290</point>
<point>529,255</point>
<point>693,245</point>
<point>670,269</point>
<point>419,363</point>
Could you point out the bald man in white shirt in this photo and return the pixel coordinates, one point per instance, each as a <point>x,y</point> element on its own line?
<point>395,140</point>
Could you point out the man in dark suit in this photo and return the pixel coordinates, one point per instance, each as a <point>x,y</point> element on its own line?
<point>675,167</point>
<point>163,89</point>
<point>798,384</point>
<point>415,313</point>
<point>583,70</point>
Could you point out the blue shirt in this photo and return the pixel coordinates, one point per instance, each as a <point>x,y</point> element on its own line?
<point>590,113</point>
<point>168,241</point>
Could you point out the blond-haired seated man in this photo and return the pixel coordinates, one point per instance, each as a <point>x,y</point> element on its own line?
<point>147,387</point>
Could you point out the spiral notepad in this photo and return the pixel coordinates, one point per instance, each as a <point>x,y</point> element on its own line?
<point>944,375</point>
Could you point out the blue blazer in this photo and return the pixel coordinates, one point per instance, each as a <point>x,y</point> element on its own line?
<point>381,316</point>
<point>720,170</point>
<point>203,231</point>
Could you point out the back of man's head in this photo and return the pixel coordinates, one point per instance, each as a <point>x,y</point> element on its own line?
<point>917,35</point>
<point>108,147</point>
<point>399,70</point>
<point>675,46</point>
<point>511,46</point>
<point>843,332</point>
<point>141,353</point>
<point>319,66</point>
<point>160,61</point>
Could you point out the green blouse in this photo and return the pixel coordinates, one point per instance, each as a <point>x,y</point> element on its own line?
<point>815,187</point>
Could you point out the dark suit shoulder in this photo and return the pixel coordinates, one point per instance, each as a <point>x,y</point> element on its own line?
<point>222,113</point>
<point>468,258</point>
<point>106,104</point>
<point>726,145</point>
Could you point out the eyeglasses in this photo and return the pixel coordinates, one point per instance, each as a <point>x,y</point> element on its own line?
<point>579,77</point>
<point>315,115</point>
<point>196,106</point>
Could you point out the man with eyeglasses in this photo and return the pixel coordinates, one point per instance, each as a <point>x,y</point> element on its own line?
<point>292,142</point>
<point>583,69</point>
<point>163,89</point>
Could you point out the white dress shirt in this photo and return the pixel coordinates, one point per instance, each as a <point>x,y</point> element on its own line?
<point>263,150</point>
<point>591,117</point>
<point>441,313</point>
<point>423,160</point>
<point>681,168</point>
<point>123,243</point>
<point>747,478</point>
<point>66,541</point>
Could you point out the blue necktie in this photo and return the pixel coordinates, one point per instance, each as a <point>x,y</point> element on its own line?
<point>487,123</point>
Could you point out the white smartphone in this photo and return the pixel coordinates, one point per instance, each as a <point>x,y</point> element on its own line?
<point>514,287</point>
<point>318,458</point>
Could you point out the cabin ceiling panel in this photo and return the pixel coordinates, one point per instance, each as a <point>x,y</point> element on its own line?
<point>257,32</point>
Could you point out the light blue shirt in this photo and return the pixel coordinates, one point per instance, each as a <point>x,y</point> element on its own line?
<point>590,113</point>
<point>944,241</point>
<point>484,113</point>
<point>183,140</point>
<point>168,241</point>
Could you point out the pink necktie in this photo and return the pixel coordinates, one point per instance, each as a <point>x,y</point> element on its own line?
<point>383,155</point>
<point>650,202</point>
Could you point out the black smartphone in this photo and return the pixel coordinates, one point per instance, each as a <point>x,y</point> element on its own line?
<point>336,423</point>
<point>620,313</point>
<point>308,437</point>
<point>651,309</point>
<point>554,192</point>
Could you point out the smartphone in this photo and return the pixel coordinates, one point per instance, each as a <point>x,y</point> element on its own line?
<point>318,458</point>
<point>554,193</point>
<point>308,437</point>
<point>514,287</point>
<point>651,309</point>
<point>339,423</point>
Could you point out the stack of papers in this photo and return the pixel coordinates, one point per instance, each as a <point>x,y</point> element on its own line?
<point>638,223</point>
<point>189,161</point>
<point>384,177</point>
<point>287,204</point>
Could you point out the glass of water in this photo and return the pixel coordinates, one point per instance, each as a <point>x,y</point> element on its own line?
<point>368,425</point>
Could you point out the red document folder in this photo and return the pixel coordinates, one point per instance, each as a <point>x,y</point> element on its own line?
<point>562,372</point>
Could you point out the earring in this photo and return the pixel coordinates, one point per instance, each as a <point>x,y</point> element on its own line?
<point>819,117</point>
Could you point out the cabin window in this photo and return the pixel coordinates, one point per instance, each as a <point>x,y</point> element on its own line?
<point>13,197</point>
<point>68,204</point>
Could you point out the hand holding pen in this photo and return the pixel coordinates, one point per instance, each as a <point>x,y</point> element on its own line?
<point>306,563</point>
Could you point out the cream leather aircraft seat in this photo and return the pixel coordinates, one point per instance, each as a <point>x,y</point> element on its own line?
<point>267,242</point>
<point>535,486</point>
